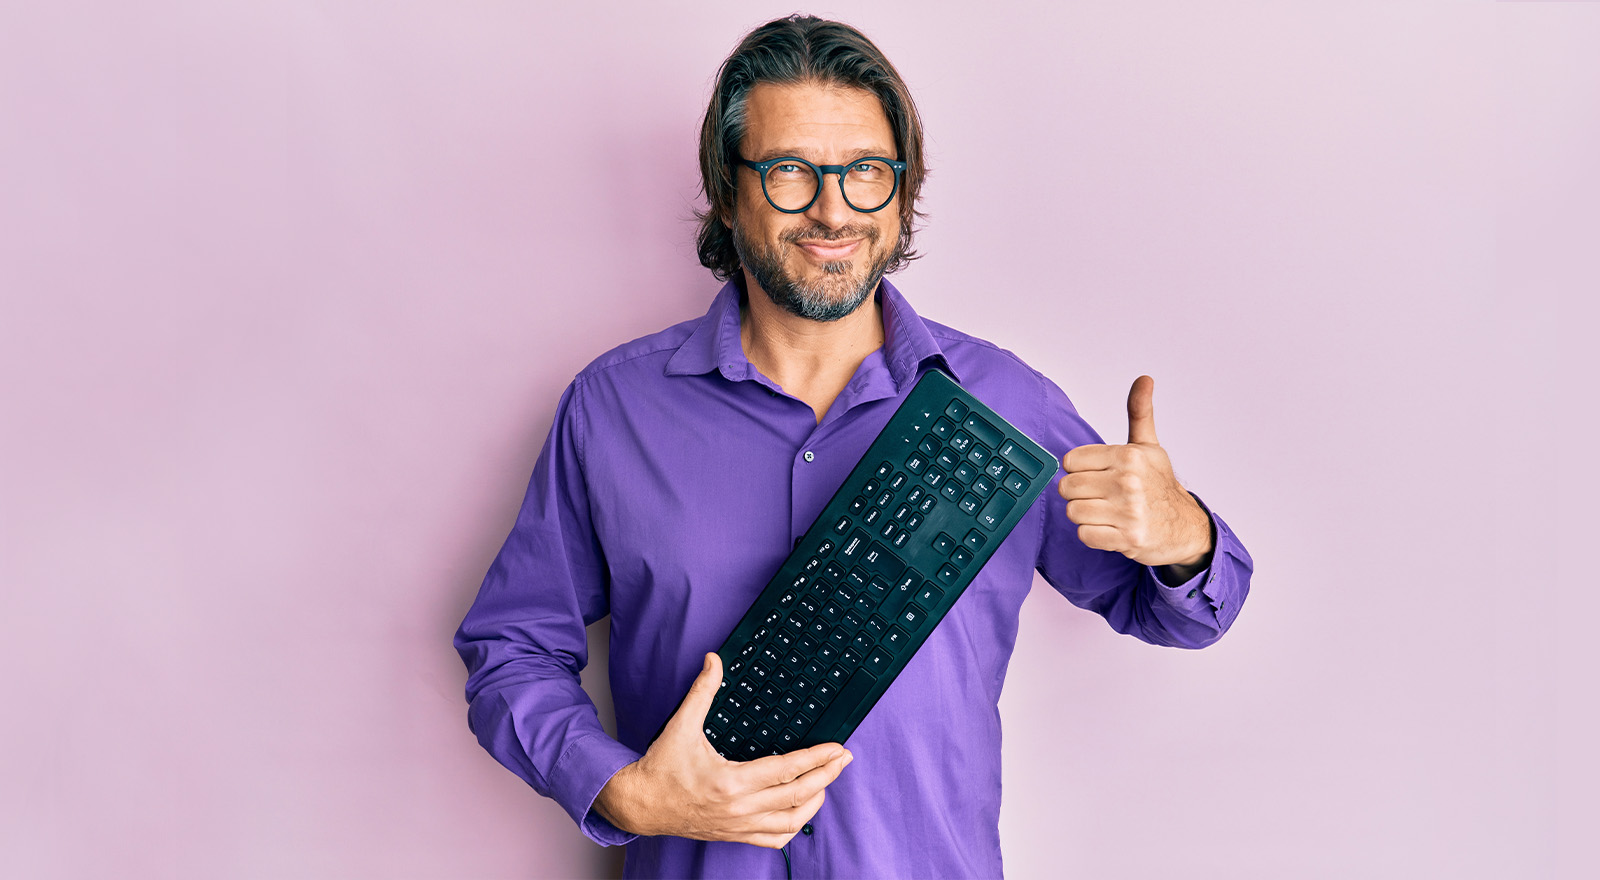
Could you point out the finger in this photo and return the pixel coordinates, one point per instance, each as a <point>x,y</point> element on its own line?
<point>785,823</point>
<point>1093,512</point>
<point>800,791</point>
<point>778,769</point>
<point>1089,457</point>
<point>1142,411</point>
<point>1088,484</point>
<point>691,714</point>
<point>1102,537</point>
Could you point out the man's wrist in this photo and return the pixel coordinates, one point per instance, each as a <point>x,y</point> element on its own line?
<point>614,802</point>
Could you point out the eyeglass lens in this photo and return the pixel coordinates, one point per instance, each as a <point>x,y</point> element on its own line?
<point>868,185</point>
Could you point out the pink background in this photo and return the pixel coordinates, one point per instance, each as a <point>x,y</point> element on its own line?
<point>288,292</point>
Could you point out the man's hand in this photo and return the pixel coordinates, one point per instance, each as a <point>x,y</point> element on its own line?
<point>682,787</point>
<point>1125,498</point>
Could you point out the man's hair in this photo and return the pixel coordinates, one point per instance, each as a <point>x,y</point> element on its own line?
<point>798,49</point>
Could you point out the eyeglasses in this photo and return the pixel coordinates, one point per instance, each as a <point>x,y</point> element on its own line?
<point>792,184</point>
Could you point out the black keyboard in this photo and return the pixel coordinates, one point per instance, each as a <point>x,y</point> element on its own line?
<point>939,489</point>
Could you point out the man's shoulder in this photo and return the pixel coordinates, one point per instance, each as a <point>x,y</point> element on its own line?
<point>649,352</point>
<point>964,349</point>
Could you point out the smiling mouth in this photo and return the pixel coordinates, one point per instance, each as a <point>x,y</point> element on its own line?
<point>830,250</point>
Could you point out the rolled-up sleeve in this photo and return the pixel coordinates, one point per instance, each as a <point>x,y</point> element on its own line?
<point>524,640</point>
<point>1131,597</point>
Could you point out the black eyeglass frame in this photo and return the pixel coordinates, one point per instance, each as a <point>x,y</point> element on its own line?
<point>821,170</point>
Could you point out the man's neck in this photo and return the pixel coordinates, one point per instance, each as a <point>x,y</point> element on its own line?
<point>810,360</point>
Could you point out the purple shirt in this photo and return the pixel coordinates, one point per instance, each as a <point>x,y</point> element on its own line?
<point>675,480</point>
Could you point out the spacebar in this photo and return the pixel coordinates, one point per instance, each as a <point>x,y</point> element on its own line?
<point>850,696</point>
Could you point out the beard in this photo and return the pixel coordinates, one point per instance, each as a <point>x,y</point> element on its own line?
<point>838,293</point>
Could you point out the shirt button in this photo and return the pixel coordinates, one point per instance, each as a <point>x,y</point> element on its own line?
<point>806,829</point>
<point>809,456</point>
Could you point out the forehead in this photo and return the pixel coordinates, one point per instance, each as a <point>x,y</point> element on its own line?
<point>827,120</point>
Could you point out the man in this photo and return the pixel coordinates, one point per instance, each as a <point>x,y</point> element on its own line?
<point>682,467</point>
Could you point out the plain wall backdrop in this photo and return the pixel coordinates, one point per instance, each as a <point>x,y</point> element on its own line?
<point>288,292</point>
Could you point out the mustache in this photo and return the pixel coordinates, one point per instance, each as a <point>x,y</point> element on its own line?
<point>819,233</point>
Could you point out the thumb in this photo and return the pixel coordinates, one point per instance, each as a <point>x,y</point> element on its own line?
<point>702,692</point>
<point>1142,412</point>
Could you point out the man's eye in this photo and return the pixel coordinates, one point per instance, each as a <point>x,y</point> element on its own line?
<point>787,168</point>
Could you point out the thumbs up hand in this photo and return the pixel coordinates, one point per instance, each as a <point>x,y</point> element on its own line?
<point>1126,498</point>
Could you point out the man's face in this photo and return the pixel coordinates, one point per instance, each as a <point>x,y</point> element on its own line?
<point>823,263</point>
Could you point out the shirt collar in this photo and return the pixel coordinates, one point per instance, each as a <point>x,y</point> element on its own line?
<point>714,343</point>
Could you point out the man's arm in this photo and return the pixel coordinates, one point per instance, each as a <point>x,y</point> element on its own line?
<point>1130,542</point>
<point>524,643</point>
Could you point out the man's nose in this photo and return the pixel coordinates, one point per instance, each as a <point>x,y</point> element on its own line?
<point>830,209</point>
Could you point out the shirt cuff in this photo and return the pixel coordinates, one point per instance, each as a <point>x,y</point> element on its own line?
<point>583,770</point>
<point>1190,595</point>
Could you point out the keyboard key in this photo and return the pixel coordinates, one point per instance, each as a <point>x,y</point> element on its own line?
<point>951,490</point>
<point>878,625</point>
<point>858,505</point>
<point>928,504</point>
<point>978,455</point>
<point>886,497</point>
<point>947,573</point>
<point>996,468</point>
<point>1015,483</point>
<point>965,474</point>
<point>889,530</point>
<point>879,661</point>
<point>961,442</point>
<point>983,486</point>
<point>862,642</point>
<point>912,617</point>
<point>1024,462</point>
<point>986,433</point>
<point>916,462</point>
<point>871,487</point>
<point>842,526</point>
<point>871,516</point>
<point>930,446</point>
<point>962,557</point>
<point>930,595</point>
<point>998,507</point>
<point>897,639</point>
<point>943,544</point>
<point>897,482</point>
<point>973,540</point>
<point>914,495</point>
<point>969,504</point>
<point>946,460</point>
<point>834,571</point>
<point>944,429</point>
<point>901,512</point>
<point>885,469</point>
<point>882,563</point>
<point>825,548</point>
<point>901,540</point>
<point>956,410</point>
<point>915,520</point>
